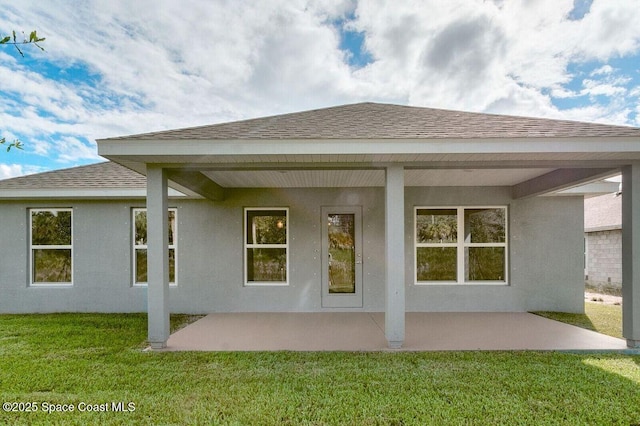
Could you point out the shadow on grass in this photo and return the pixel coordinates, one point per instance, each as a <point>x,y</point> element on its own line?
<point>579,320</point>
<point>179,321</point>
<point>598,317</point>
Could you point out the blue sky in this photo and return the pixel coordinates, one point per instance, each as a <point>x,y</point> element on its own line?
<point>121,67</point>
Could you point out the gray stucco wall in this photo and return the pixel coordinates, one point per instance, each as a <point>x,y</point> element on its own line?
<point>545,255</point>
<point>545,252</point>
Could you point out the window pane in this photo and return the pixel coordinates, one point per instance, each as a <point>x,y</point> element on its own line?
<point>172,266</point>
<point>51,228</point>
<point>436,264</point>
<point>436,226</point>
<point>266,264</point>
<point>266,227</point>
<point>52,266</point>
<point>485,263</point>
<point>485,225</point>
<point>172,226</point>
<point>141,227</point>
<point>141,266</point>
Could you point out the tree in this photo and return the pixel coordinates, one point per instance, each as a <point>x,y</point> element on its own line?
<point>33,39</point>
<point>15,144</point>
<point>15,42</point>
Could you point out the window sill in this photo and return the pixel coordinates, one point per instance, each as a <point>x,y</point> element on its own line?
<point>266,284</point>
<point>462,284</point>
<point>51,285</point>
<point>143,285</point>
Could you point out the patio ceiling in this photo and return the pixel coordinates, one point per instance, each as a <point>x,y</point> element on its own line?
<point>369,177</point>
<point>535,166</point>
<point>524,182</point>
<point>300,164</point>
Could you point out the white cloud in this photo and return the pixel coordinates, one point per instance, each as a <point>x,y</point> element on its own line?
<point>161,64</point>
<point>8,171</point>
<point>595,88</point>
<point>603,70</point>
<point>482,56</point>
<point>74,149</point>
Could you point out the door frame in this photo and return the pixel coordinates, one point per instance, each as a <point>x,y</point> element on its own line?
<point>342,300</point>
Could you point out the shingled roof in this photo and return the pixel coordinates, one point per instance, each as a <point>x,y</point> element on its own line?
<point>385,121</point>
<point>101,175</point>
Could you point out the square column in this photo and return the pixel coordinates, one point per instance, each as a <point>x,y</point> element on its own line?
<point>631,254</point>
<point>157,258</point>
<point>394,256</point>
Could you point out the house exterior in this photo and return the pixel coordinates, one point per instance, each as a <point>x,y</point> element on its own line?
<point>603,242</point>
<point>364,207</point>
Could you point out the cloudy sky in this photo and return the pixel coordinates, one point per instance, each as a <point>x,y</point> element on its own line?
<point>118,67</point>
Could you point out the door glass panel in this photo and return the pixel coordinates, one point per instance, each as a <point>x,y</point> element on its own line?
<point>342,256</point>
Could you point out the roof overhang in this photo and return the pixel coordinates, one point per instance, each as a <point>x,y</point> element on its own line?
<point>85,194</point>
<point>358,151</point>
<point>530,166</point>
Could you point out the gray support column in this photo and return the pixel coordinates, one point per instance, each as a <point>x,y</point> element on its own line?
<point>631,254</point>
<point>157,258</point>
<point>395,262</point>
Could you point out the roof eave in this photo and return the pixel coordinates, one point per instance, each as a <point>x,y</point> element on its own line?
<point>202,147</point>
<point>81,194</point>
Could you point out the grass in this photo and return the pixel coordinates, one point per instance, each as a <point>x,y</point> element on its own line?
<point>97,359</point>
<point>605,319</point>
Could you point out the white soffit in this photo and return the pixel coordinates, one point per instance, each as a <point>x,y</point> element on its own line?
<point>471,177</point>
<point>370,178</point>
<point>296,178</point>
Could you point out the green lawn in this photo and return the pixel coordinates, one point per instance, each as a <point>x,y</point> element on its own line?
<point>96,359</point>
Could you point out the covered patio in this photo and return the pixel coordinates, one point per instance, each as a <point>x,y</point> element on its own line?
<point>363,331</point>
<point>412,157</point>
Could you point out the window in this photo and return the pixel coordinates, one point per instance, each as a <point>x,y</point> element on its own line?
<point>51,246</point>
<point>140,246</point>
<point>266,246</point>
<point>461,245</point>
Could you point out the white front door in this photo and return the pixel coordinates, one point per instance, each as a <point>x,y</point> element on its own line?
<point>342,257</point>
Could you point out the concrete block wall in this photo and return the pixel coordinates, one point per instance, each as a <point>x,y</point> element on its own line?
<point>604,259</point>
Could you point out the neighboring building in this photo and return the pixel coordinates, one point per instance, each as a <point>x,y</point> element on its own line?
<point>603,243</point>
<point>365,207</point>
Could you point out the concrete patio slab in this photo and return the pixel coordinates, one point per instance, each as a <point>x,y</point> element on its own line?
<point>342,331</point>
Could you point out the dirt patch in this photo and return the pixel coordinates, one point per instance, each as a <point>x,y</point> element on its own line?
<point>605,299</point>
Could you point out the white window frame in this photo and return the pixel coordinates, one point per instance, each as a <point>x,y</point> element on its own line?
<point>460,246</point>
<point>135,247</point>
<point>33,247</point>
<point>246,246</point>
